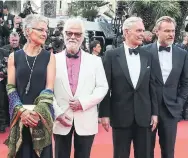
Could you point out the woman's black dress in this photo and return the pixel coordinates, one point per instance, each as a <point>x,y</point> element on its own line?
<point>38,83</point>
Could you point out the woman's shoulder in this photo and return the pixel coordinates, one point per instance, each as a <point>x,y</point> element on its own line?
<point>18,53</point>
<point>45,56</point>
<point>45,53</point>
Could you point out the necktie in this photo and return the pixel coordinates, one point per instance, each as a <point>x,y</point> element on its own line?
<point>135,51</point>
<point>75,56</point>
<point>162,48</point>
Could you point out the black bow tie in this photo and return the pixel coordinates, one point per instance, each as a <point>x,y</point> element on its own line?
<point>162,48</point>
<point>135,51</point>
<point>75,56</point>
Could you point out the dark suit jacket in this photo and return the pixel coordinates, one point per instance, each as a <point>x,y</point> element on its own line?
<point>10,49</point>
<point>175,90</point>
<point>9,17</point>
<point>182,46</point>
<point>3,54</point>
<point>3,62</point>
<point>124,104</point>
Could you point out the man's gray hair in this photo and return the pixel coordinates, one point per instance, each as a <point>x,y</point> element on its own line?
<point>148,33</point>
<point>164,19</point>
<point>184,34</point>
<point>17,17</point>
<point>14,34</point>
<point>31,20</point>
<point>74,20</point>
<point>130,21</point>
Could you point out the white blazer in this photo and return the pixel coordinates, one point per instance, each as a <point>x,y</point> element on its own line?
<point>91,89</point>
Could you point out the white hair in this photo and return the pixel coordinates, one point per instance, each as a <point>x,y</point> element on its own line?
<point>74,21</point>
<point>130,21</point>
<point>31,20</point>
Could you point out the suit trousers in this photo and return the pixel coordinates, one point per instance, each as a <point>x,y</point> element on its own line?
<point>4,106</point>
<point>122,138</point>
<point>167,129</point>
<point>82,145</point>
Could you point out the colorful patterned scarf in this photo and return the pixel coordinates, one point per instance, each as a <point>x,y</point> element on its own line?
<point>14,100</point>
<point>41,135</point>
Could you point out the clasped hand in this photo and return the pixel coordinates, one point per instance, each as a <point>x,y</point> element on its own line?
<point>30,118</point>
<point>75,105</point>
<point>64,119</point>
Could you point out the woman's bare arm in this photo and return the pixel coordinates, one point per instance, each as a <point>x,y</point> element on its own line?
<point>51,72</point>
<point>11,70</point>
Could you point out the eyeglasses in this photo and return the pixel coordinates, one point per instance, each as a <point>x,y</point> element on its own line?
<point>76,34</point>
<point>41,30</point>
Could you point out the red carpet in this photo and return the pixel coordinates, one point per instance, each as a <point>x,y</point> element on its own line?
<point>102,146</point>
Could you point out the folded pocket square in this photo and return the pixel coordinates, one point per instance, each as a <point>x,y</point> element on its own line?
<point>148,67</point>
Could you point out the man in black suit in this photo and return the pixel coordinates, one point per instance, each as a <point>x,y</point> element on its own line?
<point>4,106</point>
<point>131,104</point>
<point>14,40</point>
<point>171,71</point>
<point>8,17</point>
<point>7,24</point>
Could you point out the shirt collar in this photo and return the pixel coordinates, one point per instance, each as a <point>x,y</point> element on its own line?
<point>78,53</point>
<point>127,47</point>
<point>158,45</point>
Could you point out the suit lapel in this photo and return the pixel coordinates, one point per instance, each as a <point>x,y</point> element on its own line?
<point>154,50</point>
<point>123,63</point>
<point>65,79</point>
<point>175,58</point>
<point>83,71</point>
<point>143,65</point>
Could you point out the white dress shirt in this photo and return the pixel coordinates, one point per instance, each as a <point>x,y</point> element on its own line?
<point>133,63</point>
<point>165,60</point>
<point>5,18</point>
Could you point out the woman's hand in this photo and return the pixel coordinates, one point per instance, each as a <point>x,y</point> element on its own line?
<point>30,118</point>
<point>35,116</point>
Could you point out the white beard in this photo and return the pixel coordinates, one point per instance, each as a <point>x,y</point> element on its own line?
<point>72,47</point>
